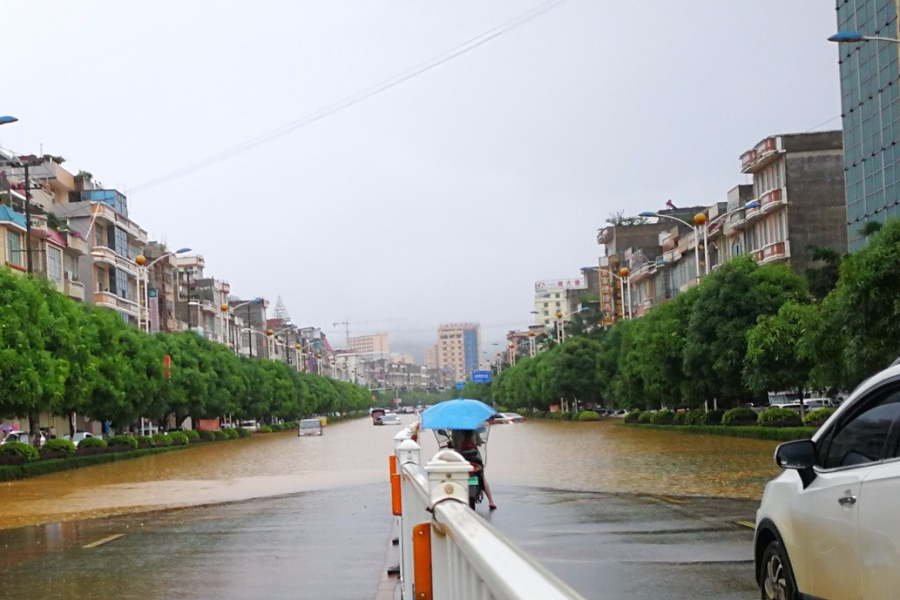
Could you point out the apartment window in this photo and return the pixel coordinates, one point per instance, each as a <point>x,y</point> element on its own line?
<point>121,242</point>
<point>70,265</point>
<point>121,280</point>
<point>98,235</point>
<point>558,304</point>
<point>54,264</point>
<point>101,281</point>
<point>14,247</point>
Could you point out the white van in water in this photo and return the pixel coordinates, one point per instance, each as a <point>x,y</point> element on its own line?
<point>310,427</point>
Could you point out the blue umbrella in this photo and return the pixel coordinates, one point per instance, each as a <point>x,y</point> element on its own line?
<point>456,414</point>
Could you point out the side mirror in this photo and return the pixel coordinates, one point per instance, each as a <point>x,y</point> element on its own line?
<point>442,432</point>
<point>799,455</point>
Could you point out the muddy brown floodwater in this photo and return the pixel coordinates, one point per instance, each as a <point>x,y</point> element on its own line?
<point>576,456</point>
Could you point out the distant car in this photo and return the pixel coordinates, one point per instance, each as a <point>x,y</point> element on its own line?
<point>17,435</point>
<point>250,425</point>
<point>310,427</point>
<point>78,437</point>
<point>388,419</point>
<point>827,526</point>
<point>513,417</point>
<point>499,419</point>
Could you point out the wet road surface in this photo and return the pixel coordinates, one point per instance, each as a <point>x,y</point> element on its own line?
<point>333,544</point>
<point>310,517</point>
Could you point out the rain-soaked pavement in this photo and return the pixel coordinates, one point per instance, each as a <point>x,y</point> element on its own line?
<point>651,515</point>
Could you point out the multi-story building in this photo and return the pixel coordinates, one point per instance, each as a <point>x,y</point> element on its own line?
<point>798,182</point>
<point>431,356</point>
<point>370,347</point>
<point>557,295</point>
<point>250,321</point>
<point>870,106</point>
<point>459,348</point>
<point>100,216</point>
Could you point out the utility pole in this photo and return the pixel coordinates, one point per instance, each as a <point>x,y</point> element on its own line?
<point>26,162</point>
<point>250,328</point>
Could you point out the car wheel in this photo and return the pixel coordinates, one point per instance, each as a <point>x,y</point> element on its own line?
<point>777,580</point>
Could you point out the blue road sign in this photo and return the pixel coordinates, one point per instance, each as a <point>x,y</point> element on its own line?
<point>460,385</point>
<point>481,376</point>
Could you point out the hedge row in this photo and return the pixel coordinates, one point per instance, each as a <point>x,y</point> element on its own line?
<point>784,434</point>
<point>772,417</point>
<point>584,415</point>
<point>42,467</point>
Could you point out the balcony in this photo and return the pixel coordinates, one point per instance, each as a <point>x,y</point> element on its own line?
<point>106,255</point>
<point>775,252</point>
<point>762,155</point>
<point>753,214</point>
<point>77,245</point>
<point>109,300</point>
<point>73,289</point>
<point>107,213</point>
<point>735,222</point>
<point>770,201</point>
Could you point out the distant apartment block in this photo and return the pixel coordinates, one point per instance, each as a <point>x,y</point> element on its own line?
<point>459,348</point>
<point>370,347</point>
<point>431,356</point>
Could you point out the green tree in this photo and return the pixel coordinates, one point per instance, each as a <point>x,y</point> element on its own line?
<point>728,305</point>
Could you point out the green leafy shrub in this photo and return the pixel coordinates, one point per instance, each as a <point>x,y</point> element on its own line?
<point>776,416</point>
<point>178,438</point>
<point>242,432</point>
<point>588,415</point>
<point>264,429</point>
<point>58,445</point>
<point>26,451</point>
<point>161,439</point>
<point>714,416</point>
<point>695,417</point>
<point>662,417</point>
<point>817,416</point>
<point>92,442</point>
<point>230,433</point>
<point>645,417</point>
<point>191,434</point>
<point>741,415</point>
<point>631,417</point>
<point>123,440</point>
<point>220,435</point>
<point>679,418</point>
<point>206,435</point>
<point>144,441</point>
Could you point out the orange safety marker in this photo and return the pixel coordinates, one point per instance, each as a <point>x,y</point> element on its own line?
<point>421,542</point>
<point>395,494</point>
<point>392,464</point>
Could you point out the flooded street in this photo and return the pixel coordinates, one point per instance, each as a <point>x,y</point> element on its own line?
<point>596,457</point>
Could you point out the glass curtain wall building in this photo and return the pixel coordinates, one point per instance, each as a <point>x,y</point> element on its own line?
<point>870,107</point>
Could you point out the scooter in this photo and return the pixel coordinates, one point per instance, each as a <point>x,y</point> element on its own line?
<point>476,475</point>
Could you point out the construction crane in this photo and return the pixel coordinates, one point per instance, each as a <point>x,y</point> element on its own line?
<point>346,324</point>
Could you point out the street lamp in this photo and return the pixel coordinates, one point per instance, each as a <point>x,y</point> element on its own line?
<point>531,335</point>
<point>693,228</point>
<point>854,37</point>
<point>7,120</point>
<point>225,307</point>
<point>700,220</point>
<point>144,281</point>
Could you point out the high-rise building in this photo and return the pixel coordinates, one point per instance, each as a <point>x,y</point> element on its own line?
<point>370,347</point>
<point>870,106</point>
<point>459,347</point>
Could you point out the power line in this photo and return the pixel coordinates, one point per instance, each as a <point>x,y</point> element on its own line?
<point>358,97</point>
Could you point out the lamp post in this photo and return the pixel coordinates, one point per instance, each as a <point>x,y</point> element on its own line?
<point>693,228</point>
<point>225,307</point>
<point>144,282</point>
<point>531,336</point>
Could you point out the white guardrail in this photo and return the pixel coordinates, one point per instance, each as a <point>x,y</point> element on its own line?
<point>447,551</point>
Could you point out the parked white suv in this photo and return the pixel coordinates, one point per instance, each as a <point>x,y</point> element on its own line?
<point>828,527</point>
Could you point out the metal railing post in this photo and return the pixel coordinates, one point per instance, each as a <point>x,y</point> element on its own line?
<point>413,512</point>
<point>448,479</point>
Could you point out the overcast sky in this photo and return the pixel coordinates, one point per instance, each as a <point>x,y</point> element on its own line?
<point>441,199</point>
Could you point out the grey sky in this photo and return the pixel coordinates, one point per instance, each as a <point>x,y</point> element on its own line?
<point>442,199</point>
